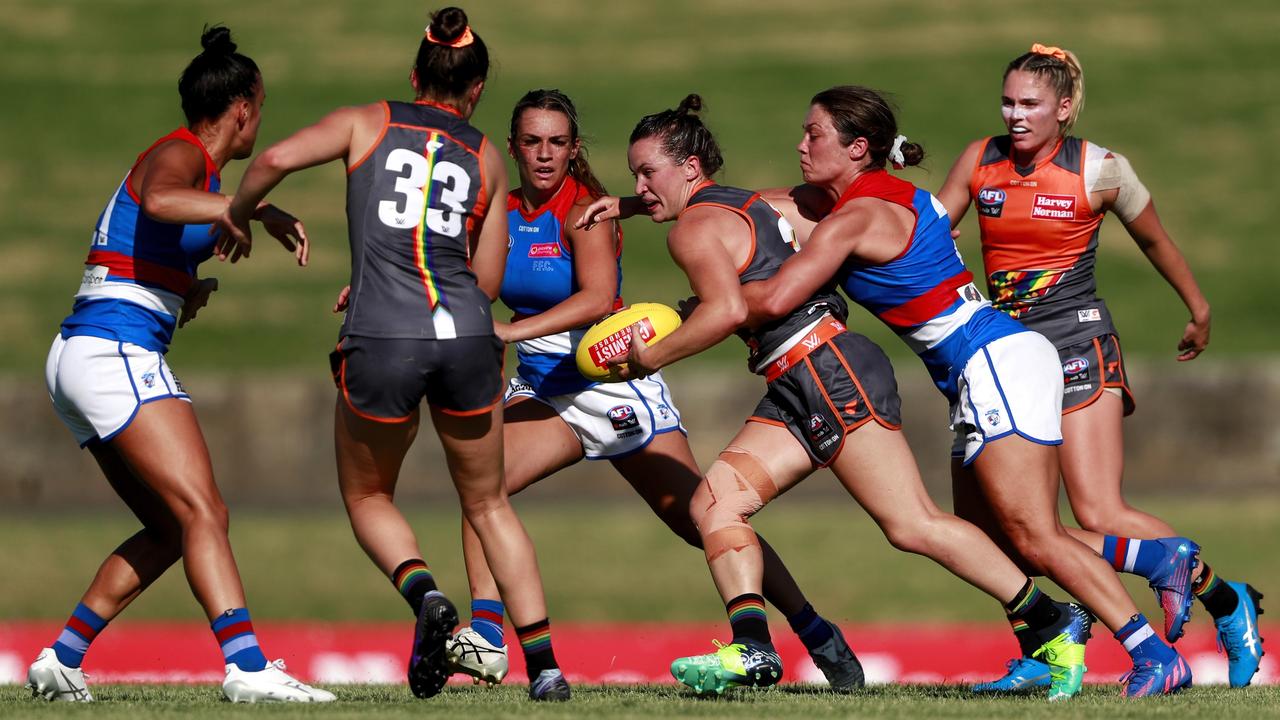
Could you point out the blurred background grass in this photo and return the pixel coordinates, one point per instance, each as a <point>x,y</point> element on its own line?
<point>1187,91</point>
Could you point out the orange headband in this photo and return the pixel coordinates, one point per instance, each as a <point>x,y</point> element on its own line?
<point>465,39</point>
<point>1049,50</point>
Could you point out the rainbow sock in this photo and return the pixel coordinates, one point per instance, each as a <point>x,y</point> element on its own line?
<point>234,631</point>
<point>81,628</point>
<point>1219,598</point>
<point>414,581</point>
<point>535,641</point>
<point>748,619</point>
<point>486,619</point>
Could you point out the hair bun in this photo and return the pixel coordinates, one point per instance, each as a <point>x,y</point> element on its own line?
<point>448,24</point>
<point>217,40</point>
<point>690,105</point>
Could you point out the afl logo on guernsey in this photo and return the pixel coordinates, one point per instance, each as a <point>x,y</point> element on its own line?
<point>991,201</point>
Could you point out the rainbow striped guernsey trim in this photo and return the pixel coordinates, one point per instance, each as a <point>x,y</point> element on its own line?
<point>746,608</point>
<point>408,574</point>
<point>421,236</point>
<point>537,638</point>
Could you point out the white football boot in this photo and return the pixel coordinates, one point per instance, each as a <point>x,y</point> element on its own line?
<point>471,654</point>
<point>270,684</point>
<point>50,679</point>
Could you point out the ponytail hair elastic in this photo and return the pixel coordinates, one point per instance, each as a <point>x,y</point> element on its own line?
<point>463,40</point>
<point>896,158</point>
<point>1051,51</point>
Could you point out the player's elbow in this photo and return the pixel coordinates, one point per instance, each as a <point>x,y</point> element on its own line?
<point>733,313</point>
<point>274,160</point>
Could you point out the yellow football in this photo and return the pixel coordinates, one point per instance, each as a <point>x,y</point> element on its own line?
<point>612,337</point>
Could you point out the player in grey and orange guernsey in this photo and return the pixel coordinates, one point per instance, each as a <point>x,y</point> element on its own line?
<point>1041,196</point>
<point>428,232</point>
<point>560,279</point>
<point>831,398</point>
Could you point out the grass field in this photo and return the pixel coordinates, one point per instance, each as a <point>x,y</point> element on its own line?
<point>308,567</point>
<point>1178,88</point>
<point>896,701</point>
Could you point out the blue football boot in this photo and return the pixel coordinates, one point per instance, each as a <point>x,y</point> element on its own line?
<point>1238,635</point>
<point>1023,674</point>
<point>1151,677</point>
<point>1171,583</point>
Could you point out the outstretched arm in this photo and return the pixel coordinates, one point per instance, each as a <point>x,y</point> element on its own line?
<point>803,274</point>
<point>327,140</point>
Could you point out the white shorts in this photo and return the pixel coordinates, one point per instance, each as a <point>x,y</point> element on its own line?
<point>97,385</point>
<point>611,420</point>
<point>1012,386</point>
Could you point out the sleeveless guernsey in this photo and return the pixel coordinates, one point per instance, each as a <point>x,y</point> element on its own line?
<point>412,203</point>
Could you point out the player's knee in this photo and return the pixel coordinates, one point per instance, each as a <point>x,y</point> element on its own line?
<point>1100,517</point>
<point>480,509</point>
<point>680,518</point>
<point>908,537</point>
<point>206,513</point>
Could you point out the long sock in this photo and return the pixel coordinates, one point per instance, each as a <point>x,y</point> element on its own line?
<point>748,619</point>
<point>486,619</point>
<point>81,628</point>
<point>809,626</point>
<point>414,581</point>
<point>1140,641</point>
<point>535,641</point>
<point>234,631</point>
<point>1219,598</point>
<point>1139,557</point>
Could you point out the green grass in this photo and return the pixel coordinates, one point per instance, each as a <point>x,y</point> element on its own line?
<point>133,702</point>
<point>308,567</point>
<point>1175,87</point>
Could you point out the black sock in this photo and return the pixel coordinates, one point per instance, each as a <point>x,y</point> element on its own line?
<point>1219,598</point>
<point>748,619</point>
<point>535,640</point>
<point>1033,607</point>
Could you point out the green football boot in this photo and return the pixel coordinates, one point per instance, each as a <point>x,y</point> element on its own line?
<point>736,665</point>
<point>1064,653</point>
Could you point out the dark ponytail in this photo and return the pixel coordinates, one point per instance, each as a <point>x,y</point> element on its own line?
<point>451,57</point>
<point>556,101</point>
<point>683,134</point>
<point>216,77</point>
<point>860,112</point>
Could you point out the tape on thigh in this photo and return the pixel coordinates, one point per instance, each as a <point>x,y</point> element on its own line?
<point>740,485</point>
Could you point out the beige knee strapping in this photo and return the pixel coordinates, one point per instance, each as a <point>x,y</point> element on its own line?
<point>740,485</point>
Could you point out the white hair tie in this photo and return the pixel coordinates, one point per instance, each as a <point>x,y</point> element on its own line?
<point>896,158</point>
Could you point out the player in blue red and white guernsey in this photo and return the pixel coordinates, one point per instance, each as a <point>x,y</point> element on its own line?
<point>892,246</point>
<point>558,281</point>
<point>427,246</point>
<point>831,398</point>
<point>1041,197</point>
<point>110,383</point>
